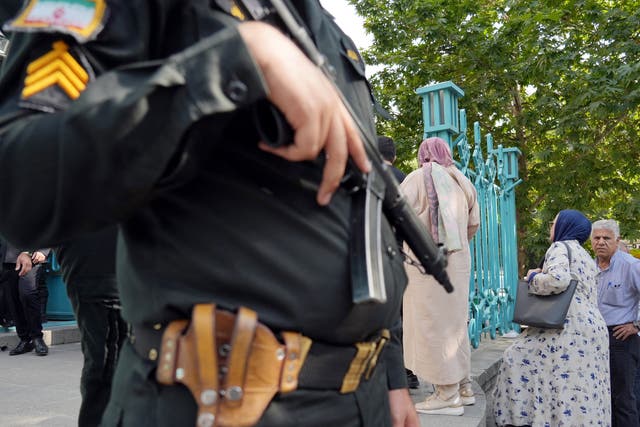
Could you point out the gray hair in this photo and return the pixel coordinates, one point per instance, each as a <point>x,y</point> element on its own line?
<point>607,224</point>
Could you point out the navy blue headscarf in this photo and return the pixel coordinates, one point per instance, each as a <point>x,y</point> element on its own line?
<point>572,225</point>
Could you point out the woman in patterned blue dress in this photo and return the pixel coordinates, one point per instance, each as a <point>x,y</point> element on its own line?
<point>559,377</point>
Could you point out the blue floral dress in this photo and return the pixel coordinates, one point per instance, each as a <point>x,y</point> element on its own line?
<point>559,377</point>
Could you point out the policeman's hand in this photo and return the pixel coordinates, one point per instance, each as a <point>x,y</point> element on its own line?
<point>310,104</point>
<point>38,258</point>
<point>23,264</point>
<point>622,332</point>
<point>403,413</point>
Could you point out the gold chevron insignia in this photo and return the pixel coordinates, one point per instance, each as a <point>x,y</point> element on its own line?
<point>235,11</point>
<point>59,68</point>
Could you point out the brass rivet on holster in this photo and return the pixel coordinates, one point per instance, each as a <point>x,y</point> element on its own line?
<point>279,354</point>
<point>153,354</point>
<point>206,419</point>
<point>208,397</point>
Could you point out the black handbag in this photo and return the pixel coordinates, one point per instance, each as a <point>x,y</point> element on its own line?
<point>543,311</point>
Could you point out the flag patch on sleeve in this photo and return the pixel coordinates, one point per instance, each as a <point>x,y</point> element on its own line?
<point>81,19</point>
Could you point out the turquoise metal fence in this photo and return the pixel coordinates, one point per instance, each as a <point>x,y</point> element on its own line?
<point>58,304</point>
<point>494,172</point>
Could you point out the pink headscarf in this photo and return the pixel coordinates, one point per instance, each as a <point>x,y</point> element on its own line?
<point>435,150</point>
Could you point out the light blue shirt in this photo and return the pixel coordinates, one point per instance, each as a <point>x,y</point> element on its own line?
<point>619,289</point>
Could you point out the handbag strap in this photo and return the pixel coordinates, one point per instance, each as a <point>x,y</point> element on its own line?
<point>568,253</point>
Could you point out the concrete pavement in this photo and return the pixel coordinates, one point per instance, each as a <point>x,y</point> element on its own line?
<point>41,390</point>
<point>44,391</point>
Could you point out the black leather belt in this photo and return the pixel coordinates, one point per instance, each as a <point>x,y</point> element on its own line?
<point>324,368</point>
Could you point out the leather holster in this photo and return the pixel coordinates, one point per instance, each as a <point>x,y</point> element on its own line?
<point>232,364</point>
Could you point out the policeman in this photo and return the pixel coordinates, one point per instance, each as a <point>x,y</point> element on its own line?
<point>233,256</point>
<point>87,264</point>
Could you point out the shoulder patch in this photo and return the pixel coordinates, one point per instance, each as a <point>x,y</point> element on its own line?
<point>353,55</point>
<point>350,52</point>
<point>81,19</point>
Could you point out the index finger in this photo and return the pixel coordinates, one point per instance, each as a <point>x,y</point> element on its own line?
<point>355,145</point>
<point>335,162</point>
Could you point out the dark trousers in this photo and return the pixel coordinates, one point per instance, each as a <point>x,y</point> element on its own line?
<point>624,357</point>
<point>43,290</point>
<point>636,390</point>
<point>6,315</point>
<point>102,333</point>
<point>25,301</point>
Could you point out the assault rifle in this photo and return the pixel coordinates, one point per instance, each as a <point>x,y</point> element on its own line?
<point>381,186</point>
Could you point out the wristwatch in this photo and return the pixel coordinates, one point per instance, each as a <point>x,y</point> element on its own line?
<point>636,323</point>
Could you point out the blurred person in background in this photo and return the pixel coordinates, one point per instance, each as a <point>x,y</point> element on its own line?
<point>19,278</point>
<point>387,149</point>
<point>436,339</point>
<point>559,377</point>
<point>618,297</point>
<point>88,269</point>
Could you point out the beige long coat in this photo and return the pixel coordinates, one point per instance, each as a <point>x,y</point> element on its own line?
<point>436,342</point>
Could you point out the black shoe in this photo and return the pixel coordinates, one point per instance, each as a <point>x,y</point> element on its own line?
<point>22,348</point>
<point>412,379</point>
<point>6,323</point>
<point>41,347</point>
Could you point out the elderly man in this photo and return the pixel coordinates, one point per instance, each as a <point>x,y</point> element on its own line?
<point>618,296</point>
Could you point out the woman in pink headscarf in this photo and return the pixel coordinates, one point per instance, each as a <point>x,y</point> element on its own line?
<point>436,342</point>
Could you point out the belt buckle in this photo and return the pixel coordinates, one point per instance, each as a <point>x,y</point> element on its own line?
<point>364,362</point>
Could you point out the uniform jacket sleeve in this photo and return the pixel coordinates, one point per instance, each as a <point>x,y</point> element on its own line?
<point>89,175</point>
<point>555,275</point>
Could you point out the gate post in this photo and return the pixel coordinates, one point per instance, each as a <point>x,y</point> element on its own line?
<point>440,110</point>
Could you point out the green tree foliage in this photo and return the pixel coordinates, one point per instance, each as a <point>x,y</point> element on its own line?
<point>560,80</point>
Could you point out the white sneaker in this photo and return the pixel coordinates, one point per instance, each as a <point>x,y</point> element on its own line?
<point>468,400</point>
<point>466,394</point>
<point>434,405</point>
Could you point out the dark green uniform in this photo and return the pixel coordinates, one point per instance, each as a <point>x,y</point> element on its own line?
<point>162,141</point>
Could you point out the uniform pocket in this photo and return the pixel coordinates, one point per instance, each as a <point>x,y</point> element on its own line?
<point>134,392</point>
